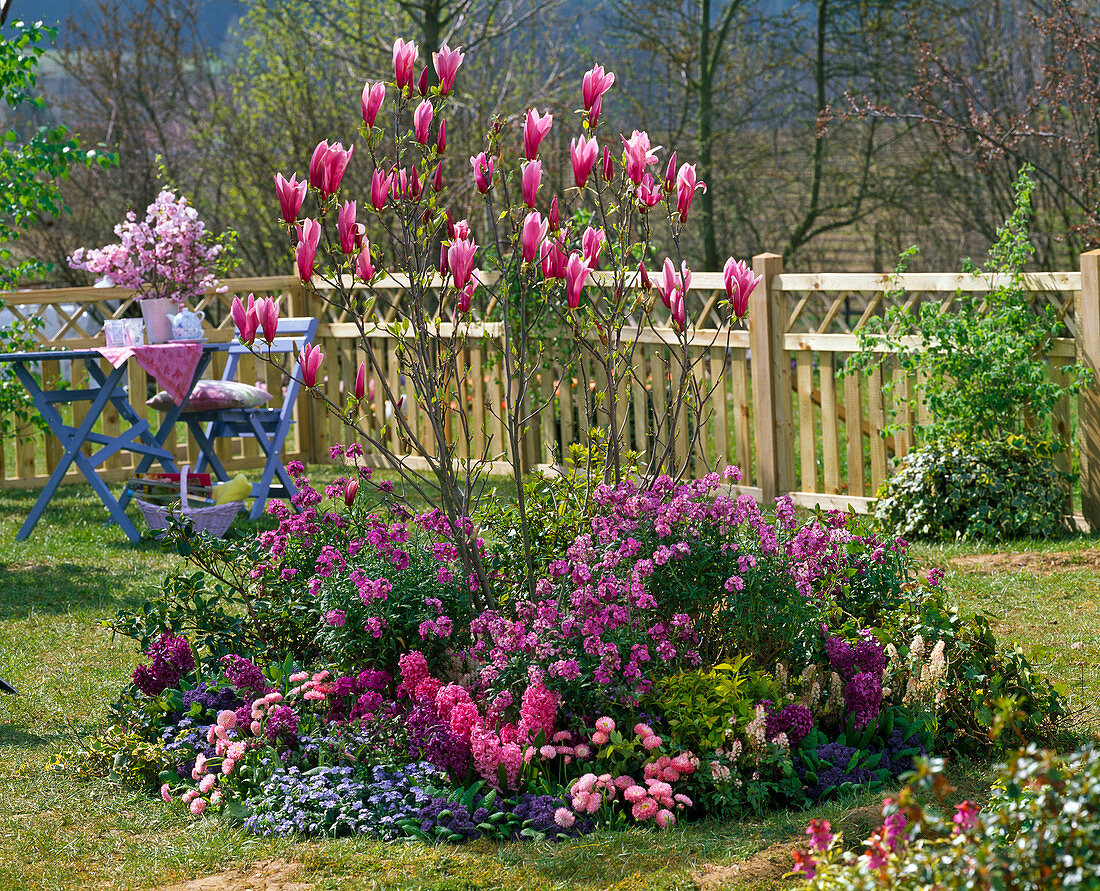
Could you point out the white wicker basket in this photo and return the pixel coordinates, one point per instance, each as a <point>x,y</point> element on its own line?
<point>214,519</point>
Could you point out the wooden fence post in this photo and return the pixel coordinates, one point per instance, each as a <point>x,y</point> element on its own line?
<point>311,415</point>
<point>1088,353</point>
<point>771,387</point>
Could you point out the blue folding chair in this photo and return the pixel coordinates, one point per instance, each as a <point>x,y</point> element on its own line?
<point>269,426</point>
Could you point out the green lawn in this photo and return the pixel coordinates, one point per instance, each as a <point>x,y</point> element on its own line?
<point>59,832</point>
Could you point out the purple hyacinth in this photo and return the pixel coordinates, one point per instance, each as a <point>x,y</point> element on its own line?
<point>794,720</point>
<point>863,695</point>
<point>245,676</point>
<point>282,725</point>
<point>170,659</point>
<point>842,656</point>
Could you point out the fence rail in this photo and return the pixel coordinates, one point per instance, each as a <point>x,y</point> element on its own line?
<point>781,406</point>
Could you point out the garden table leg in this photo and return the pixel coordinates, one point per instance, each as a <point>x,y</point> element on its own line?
<point>73,438</point>
<point>166,425</point>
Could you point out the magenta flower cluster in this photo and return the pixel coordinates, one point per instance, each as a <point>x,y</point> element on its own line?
<point>861,665</point>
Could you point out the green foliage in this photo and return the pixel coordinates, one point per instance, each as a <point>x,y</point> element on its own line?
<point>982,364</point>
<point>701,708</point>
<point>30,167</point>
<point>992,489</point>
<point>1041,830</point>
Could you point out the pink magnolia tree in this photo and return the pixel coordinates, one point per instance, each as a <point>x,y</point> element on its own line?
<point>529,266</point>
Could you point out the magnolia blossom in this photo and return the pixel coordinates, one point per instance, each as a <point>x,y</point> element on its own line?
<point>447,62</point>
<point>595,83</point>
<point>441,139</point>
<point>309,237</point>
<point>309,361</point>
<point>460,260</point>
<point>554,260</point>
<point>346,229</point>
<point>373,96</point>
<point>364,267</point>
<point>327,166</point>
<point>267,310</point>
<point>380,185</point>
<point>576,272</point>
<point>245,318</point>
<point>360,381</point>
<point>583,153</point>
<point>670,173</point>
<point>592,243</point>
<point>483,171</point>
<point>532,236</point>
<point>535,128</point>
<point>422,120</point>
<point>530,180</point>
<point>740,283</point>
<point>648,193</point>
<point>404,62</point>
<point>291,195</point>
<point>638,155</point>
<point>686,184</point>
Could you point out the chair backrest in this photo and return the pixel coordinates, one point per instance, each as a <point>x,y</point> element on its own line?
<point>292,333</point>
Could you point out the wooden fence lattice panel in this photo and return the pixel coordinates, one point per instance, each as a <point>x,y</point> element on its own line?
<point>780,404</point>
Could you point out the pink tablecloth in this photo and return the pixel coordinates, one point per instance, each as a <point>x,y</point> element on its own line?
<point>172,365</point>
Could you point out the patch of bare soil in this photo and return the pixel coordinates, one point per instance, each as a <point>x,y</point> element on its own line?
<point>1029,561</point>
<point>266,875</point>
<point>776,861</point>
<point>773,862</point>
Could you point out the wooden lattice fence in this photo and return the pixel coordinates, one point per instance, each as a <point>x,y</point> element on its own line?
<point>780,406</point>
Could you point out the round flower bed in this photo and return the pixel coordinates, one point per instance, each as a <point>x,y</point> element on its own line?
<point>688,654</point>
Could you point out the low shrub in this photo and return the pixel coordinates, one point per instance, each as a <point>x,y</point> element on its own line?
<point>957,488</point>
<point>1041,830</point>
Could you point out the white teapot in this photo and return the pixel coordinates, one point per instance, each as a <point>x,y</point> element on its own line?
<point>187,325</point>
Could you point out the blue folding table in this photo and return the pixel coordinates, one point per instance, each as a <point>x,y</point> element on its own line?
<point>104,388</point>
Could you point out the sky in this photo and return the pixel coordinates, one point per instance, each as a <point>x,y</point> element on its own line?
<point>216,14</point>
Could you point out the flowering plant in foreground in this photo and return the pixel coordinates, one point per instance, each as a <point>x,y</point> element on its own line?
<point>1040,830</point>
<point>169,253</point>
<point>592,285</point>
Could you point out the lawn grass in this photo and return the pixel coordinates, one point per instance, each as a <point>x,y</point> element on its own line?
<point>62,832</point>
